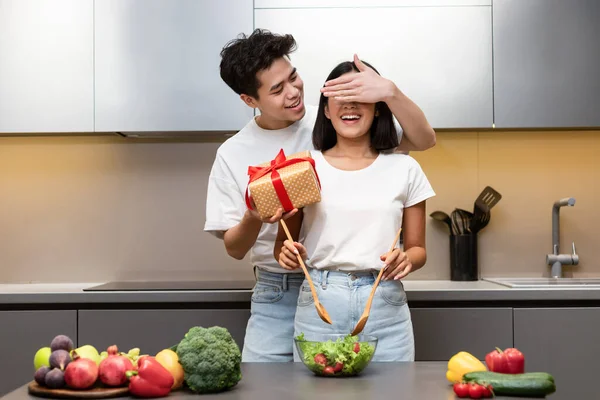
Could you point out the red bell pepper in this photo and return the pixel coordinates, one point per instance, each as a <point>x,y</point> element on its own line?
<point>150,380</point>
<point>509,361</point>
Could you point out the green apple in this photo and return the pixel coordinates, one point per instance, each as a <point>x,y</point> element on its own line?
<point>42,358</point>
<point>87,351</point>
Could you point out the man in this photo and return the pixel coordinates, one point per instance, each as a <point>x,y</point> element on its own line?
<point>259,70</point>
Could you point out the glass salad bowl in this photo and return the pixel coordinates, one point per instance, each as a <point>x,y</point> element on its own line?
<point>334,355</point>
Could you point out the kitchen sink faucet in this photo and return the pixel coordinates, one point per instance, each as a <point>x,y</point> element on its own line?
<point>557,260</point>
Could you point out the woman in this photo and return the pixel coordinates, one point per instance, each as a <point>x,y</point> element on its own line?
<point>368,192</point>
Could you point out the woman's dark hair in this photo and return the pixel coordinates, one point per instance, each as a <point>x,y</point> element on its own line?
<point>242,58</point>
<point>383,132</point>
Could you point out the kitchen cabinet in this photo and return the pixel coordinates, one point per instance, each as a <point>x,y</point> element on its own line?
<point>563,342</point>
<point>546,58</point>
<point>46,66</point>
<point>154,330</point>
<point>442,332</point>
<point>157,65</point>
<point>366,3</point>
<point>23,333</point>
<point>440,57</point>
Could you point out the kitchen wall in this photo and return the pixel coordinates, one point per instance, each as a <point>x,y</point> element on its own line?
<point>93,209</point>
<point>531,170</point>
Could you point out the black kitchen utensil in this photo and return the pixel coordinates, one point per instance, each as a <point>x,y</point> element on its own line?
<point>463,220</point>
<point>443,217</point>
<point>481,217</point>
<point>456,222</point>
<point>489,197</point>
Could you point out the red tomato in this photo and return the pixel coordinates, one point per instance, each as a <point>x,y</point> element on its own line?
<point>338,367</point>
<point>328,370</point>
<point>356,347</point>
<point>321,359</point>
<point>461,389</point>
<point>475,391</point>
<point>487,391</point>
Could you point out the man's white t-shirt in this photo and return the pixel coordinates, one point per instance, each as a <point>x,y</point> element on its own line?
<point>253,145</point>
<point>360,211</point>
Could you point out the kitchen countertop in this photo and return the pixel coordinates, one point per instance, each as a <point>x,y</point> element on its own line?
<point>290,381</point>
<point>417,291</point>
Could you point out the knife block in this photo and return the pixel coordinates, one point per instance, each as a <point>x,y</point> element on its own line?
<point>463,258</point>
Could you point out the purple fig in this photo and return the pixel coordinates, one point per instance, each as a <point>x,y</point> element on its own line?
<point>61,342</point>
<point>40,375</point>
<point>60,359</point>
<point>55,379</point>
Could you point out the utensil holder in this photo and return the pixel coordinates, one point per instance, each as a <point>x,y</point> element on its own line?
<point>463,258</point>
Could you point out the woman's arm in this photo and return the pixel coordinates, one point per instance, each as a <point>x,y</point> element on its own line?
<point>413,226</point>
<point>414,255</point>
<point>285,251</point>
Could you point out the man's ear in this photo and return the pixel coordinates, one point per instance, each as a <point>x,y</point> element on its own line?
<point>326,109</point>
<point>249,100</point>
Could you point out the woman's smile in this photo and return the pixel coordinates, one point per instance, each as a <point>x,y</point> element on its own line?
<point>350,119</point>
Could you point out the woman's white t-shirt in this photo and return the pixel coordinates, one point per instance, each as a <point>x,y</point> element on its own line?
<point>360,211</point>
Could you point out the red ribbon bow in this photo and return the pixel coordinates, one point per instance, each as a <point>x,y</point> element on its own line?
<point>280,161</point>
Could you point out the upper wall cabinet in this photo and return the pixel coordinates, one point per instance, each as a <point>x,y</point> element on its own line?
<point>157,64</point>
<point>546,57</point>
<point>46,66</point>
<point>439,56</point>
<point>366,3</point>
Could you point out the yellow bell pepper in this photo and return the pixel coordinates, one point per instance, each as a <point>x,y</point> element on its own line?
<point>169,359</point>
<point>461,363</point>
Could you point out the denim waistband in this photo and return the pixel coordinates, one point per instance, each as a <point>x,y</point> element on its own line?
<point>349,279</point>
<point>275,278</point>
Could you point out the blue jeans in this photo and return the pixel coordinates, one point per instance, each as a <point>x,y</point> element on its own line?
<point>270,329</point>
<point>344,296</point>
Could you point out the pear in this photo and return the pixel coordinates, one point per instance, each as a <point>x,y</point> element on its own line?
<point>88,351</point>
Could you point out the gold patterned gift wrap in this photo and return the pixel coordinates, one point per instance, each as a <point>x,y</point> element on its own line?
<point>285,182</point>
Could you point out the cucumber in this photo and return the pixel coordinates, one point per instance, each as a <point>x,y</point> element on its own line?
<point>498,375</point>
<point>529,384</point>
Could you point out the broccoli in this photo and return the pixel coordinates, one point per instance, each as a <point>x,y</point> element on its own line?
<point>210,358</point>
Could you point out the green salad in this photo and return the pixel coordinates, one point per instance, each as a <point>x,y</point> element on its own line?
<point>342,357</point>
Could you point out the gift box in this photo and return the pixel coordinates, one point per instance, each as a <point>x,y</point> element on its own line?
<point>285,182</point>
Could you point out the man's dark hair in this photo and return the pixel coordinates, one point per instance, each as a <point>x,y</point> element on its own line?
<point>242,58</point>
<point>383,132</point>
